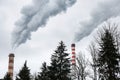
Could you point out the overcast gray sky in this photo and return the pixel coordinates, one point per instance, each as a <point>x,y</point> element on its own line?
<point>45,40</point>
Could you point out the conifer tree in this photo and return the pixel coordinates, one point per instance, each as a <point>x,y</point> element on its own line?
<point>108,56</point>
<point>60,64</point>
<point>7,77</point>
<point>43,75</point>
<point>24,73</point>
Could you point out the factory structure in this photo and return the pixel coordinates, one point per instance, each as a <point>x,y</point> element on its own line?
<point>73,54</point>
<point>11,65</point>
<point>73,62</point>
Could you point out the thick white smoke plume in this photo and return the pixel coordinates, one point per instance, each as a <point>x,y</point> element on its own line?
<point>103,12</point>
<point>36,16</point>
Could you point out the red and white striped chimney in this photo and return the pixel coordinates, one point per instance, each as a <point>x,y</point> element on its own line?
<point>11,65</point>
<point>73,54</point>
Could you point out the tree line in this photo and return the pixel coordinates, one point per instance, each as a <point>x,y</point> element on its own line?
<point>104,64</point>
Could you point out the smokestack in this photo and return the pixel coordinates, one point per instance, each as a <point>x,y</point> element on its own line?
<point>11,65</point>
<point>73,67</point>
<point>73,54</point>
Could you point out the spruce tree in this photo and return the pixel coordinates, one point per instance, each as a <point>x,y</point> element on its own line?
<point>7,77</point>
<point>60,64</point>
<point>43,75</point>
<point>108,57</point>
<point>24,73</point>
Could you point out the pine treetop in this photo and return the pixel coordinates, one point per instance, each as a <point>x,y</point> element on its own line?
<point>24,73</point>
<point>108,57</point>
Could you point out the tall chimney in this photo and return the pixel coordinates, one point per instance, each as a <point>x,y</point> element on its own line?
<point>73,66</point>
<point>73,54</point>
<point>11,65</point>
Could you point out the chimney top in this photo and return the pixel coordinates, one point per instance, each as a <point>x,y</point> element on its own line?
<point>11,55</point>
<point>73,45</point>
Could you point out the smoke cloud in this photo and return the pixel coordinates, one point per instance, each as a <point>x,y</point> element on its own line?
<point>35,16</point>
<point>103,12</point>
